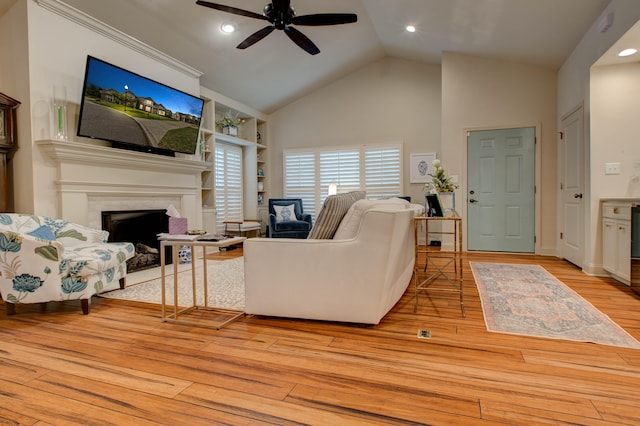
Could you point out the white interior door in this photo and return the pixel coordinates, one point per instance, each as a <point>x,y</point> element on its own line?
<point>572,188</point>
<point>501,190</point>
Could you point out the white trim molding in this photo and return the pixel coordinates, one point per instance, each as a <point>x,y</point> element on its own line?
<point>60,8</point>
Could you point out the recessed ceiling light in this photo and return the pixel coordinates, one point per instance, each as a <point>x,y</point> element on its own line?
<point>228,27</point>
<point>411,28</point>
<point>628,52</point>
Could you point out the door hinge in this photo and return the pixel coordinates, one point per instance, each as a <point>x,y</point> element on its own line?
<point>561,235</point>
<point>535,239</point>
<point>561,186</point>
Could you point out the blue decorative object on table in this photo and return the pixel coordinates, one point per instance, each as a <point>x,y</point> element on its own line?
<point>184,255</point>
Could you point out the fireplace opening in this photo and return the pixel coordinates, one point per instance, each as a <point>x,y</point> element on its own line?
<point>141,228</point>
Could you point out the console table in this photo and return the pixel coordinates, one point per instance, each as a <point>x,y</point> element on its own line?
<point>177,311</point>
<point>439,266</point>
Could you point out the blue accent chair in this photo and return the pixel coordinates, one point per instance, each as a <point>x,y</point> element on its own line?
<point>298,228</point>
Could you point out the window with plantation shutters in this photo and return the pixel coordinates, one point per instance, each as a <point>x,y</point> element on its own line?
<point>300,178</point>
<point>376,169</point>
<point>382,172</point>
<point>228,189</point>
<point>339,167</point>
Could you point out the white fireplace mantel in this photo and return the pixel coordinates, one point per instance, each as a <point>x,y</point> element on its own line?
<point>64,151</point>
<point>93,178</point>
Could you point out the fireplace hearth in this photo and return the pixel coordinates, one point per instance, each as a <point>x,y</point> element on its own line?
<point>141,228</point>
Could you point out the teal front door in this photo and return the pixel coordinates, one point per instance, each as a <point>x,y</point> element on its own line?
<point>501,190</point>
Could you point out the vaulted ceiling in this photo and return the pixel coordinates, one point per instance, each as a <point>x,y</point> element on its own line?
<point>275,71</point>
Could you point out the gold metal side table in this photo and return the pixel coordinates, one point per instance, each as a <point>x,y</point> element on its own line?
<point>438,263</point>
<point>177,310</point>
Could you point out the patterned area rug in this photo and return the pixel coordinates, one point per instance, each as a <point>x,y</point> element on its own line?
<point>225,278</point>
<point>528,300</point>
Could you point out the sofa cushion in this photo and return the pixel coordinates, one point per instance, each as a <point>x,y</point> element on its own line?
<point>292,225</point>
<point>285,213</point>
<point>68,233</point>
<point>351,222</point>
<point>333,210</point>
<point>71,234</point>
<point>21,223</point>
<point>88,259</point>
<point>43,232</point>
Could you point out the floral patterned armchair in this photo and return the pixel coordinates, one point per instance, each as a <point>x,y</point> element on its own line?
<point>44,259</point>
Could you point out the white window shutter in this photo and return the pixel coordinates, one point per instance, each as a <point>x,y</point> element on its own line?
<point>383,172</point>
<point>229,189</point>
<point>300,179</point>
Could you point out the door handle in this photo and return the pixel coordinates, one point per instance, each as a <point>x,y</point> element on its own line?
<point>577,195</point>
<point>473,200</point>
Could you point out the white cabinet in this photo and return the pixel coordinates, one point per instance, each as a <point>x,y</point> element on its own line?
<point>616,240</point>
<point>609,245</point>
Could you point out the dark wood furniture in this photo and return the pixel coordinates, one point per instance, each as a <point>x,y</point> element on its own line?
<point>8,143</point>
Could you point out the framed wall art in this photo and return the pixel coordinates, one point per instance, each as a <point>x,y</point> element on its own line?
<point>420,167</point>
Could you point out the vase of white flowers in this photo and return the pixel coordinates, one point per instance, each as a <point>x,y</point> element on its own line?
<point>440,180</point>
<point>442,184</point>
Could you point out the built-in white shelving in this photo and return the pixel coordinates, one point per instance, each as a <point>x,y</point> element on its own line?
<point>252,137</point>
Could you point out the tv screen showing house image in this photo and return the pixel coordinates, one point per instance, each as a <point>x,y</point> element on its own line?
<point>136,112</point>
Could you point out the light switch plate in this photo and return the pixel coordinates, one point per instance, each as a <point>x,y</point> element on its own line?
<point>612,168</point>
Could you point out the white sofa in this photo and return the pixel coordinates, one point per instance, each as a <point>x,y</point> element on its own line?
<point>357,276</point>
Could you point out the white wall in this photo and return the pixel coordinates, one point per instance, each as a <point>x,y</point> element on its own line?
<point>480,93</point>
<point>615,130</point>
<point>615,134</point>
<point>573,76</point>
<point>573,90</point>
<point>14,82</point>
<point>391,100</point>
<point>57,49</point>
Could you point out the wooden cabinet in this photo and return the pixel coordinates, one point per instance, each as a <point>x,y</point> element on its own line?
<point>616,239</point>
<point>8,143</point>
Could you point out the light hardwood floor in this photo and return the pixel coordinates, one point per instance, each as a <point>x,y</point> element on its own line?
<point>122,365</point>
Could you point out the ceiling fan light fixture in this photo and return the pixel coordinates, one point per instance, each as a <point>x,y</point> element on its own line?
<point>281,16</point>
<point>228,27</point>
<point>410,28</point>
<point>627,52</point>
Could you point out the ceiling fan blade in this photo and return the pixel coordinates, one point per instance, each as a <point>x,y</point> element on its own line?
<point>233,10</point>
<point>256,37</point>
<point>302,40</point>
<point>325,19</point>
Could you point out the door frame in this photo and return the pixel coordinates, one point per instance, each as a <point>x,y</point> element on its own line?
<point>538,167</point>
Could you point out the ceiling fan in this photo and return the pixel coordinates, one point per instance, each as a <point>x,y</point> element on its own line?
<point>281,16</point>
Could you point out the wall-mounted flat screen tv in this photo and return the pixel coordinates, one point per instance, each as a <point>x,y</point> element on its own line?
<point>135,112</point>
